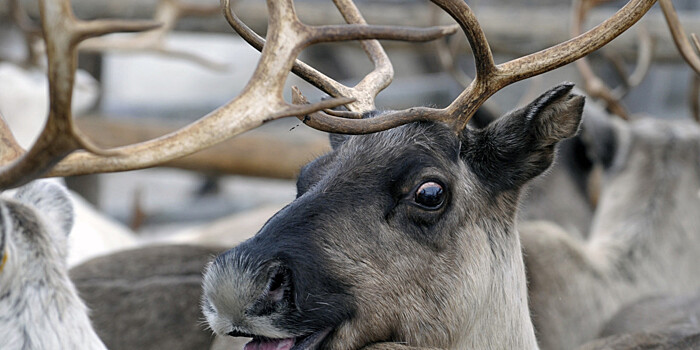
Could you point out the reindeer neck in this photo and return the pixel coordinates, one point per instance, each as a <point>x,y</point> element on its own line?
<point>46,312</point>
<point>635,211</point>
<point>503,318</point>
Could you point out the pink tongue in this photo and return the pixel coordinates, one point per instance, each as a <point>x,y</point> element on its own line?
<point>283,344</point>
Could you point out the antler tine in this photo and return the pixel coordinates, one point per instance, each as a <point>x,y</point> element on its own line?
<point>490,78</point>
<point>382,74</point>
<point>62,33</point>
<point>644,60</point>
<point>260,101</point>
<point>447,54</point>
<point>168,12</point>
<point>368,88</point>
<point>9,148</point>
<point>679,36</point>
<point>594,86</point>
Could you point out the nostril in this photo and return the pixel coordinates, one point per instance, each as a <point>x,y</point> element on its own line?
<point>278,285</point>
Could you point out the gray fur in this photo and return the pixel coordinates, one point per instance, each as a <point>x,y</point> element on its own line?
<point>147,298</point>
<point>654,314</point>
<point>450,279</point>
<point>644,237</point>
<point>672,338</point>
<point>39,306</point>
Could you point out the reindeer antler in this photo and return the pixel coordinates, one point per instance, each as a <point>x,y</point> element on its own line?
<point>447,53</point>
<point>679,36</point>
<point>596,87</point>
<point>367,89</point>
<point>686,50</point>
<point>168,12</point>
<point>489,76</point>
<point>260,101</point>
<point>645,55</point>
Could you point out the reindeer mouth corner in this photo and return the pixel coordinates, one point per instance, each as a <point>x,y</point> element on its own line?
<point>307,342</point>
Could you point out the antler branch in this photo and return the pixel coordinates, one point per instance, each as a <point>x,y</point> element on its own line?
<point>679,36</point>
<point>367,89</point>
<point>594,86</point>
<point>260,101</point>
<point>168,12</point>
<point>490,77</point>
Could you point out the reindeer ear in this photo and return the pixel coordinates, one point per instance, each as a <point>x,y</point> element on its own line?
<point>520,145</point>
<point>51,200</point>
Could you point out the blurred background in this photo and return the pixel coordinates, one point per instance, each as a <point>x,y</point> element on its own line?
<point>139,87</point>
<point>130,96</point>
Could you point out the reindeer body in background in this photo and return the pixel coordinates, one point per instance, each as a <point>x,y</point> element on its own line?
<point>39,306</point>
<point>644,239</point>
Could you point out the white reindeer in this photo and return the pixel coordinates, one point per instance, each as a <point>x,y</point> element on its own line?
<point>39,306</point>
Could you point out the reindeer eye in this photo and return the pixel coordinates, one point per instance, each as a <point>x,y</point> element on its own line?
<point>430,195</point>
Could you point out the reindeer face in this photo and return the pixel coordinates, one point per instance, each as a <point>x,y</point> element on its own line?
<point>391,233</point>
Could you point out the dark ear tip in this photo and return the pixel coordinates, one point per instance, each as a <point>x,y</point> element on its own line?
<point>562,89</point>
<point>567,86</point>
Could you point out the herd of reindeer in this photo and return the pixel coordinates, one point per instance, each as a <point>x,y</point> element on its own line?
<point>423,228</point>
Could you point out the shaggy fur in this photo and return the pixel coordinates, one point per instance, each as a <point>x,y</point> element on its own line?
<point>39,306</point>
<point>644,238</point>
<point>355,254</point>
<point>154,288</point>
<point>654,314</point>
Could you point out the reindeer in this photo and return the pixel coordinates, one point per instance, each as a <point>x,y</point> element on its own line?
<point>643,239</point>
<point>442,254</point>
<point>426,242</point>
<point>39,306</point>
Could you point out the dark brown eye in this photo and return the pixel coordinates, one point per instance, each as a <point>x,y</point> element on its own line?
<point>430,195</point>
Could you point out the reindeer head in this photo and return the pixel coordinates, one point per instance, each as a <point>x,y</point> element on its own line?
<point>391,232</point>
<point>651,161</point>
<point>34,227</point>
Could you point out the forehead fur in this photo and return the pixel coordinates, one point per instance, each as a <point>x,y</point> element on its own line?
<point>394,143</point>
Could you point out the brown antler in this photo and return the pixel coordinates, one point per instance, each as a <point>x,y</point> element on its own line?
<point>367,89</point>
<point>260,101</point>
<point>447,53</point>
<point>686,50</point>
<point>168,12</point>
<point>679,36</point>
<point>594,86</point>
<point>489,76</point>
<point>62,33</point>
<point>644,59</point>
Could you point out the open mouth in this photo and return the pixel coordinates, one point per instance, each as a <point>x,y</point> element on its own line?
<point>307,342</point>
